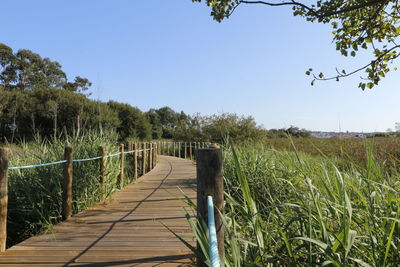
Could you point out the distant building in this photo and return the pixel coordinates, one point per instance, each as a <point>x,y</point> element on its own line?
<point>320,134</point>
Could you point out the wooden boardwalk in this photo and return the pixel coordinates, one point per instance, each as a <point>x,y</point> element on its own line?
<point>125,232</point>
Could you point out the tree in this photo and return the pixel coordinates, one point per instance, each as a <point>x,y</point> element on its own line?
<point>51,113</point>
<point>133,122</point>
<point>357,24</point>
<point>169,120</point>
<point>156,127</point>
<point>7,60</point>
<point>27,71</point>
<point>33,72</point>
<point>79,85</point>
<point>297,132</point>
<point>229,125</point>
<point>397,126</point>
<point>190,128</point>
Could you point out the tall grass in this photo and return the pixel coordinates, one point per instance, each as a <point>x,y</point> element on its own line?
<point>35,195</point>
<point>293,209</point>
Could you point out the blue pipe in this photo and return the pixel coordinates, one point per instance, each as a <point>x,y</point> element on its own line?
<point>212,233</point>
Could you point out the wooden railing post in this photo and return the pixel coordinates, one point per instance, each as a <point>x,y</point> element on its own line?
<point>168,143</point>
<point>135,167</point>
<point>190,151</point>
<point>67,190</point>
<point>3,198</point>
<point>185,150</point>
<point>210,181</point>
<point>144,159</point>
<point>103,166</point>
<point>121,175</point>
<point>179,149</point>
<point>155,154</point>
<point>151,156</point>
<point>174,144</point>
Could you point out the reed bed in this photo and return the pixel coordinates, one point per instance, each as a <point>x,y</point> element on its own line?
<point>386,149</point>
<point>288,208</point>
<point>35,194</point>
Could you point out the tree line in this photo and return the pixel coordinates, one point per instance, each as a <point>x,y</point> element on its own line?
<point>37,100</point>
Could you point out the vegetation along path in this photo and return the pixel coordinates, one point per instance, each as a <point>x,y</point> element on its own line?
<point>126,231</point>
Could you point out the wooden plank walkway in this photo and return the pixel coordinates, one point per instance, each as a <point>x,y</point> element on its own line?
<point>125,232</point>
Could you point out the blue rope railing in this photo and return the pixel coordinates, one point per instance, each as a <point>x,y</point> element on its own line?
<point>37,165</point>
<point>212,233</point>
<point>74,160</point>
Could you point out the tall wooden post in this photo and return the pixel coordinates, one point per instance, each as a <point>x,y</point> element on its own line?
<point>103,166</point>
<point>190,151</point>
<point>150,156</point>
<point>144,159</point>
<point>135,167</point>
<point>155,154</point>
<point>3,198</point>
<point>185,150</point>
<point>127,150</point>
<point>121,166</point>
<point>158,152</point>
<point>210,181</point>
<point>168,143</point>
<point>67,190</point>
<point>174,144</point>
<point>179,149</point>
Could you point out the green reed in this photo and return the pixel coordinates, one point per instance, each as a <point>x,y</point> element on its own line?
<point>35,195</point>
<point>293,209</point>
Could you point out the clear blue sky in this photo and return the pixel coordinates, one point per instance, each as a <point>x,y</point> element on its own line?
<point>157,53</point>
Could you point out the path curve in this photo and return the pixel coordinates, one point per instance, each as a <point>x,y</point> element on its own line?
<point>125,232</point>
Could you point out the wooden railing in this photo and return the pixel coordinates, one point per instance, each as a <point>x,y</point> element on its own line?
<point>184,150</point>
<point>147,152</point>
<point>209,177</point>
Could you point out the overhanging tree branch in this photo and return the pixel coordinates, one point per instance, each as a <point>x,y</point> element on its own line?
<point>371,64</point>
<point>357,24</point>
<point>320,13</point>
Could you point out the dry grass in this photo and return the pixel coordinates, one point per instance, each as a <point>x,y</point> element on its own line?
<point>386,149</point>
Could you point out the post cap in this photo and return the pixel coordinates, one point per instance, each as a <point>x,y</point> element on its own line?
<point>214,146</point>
